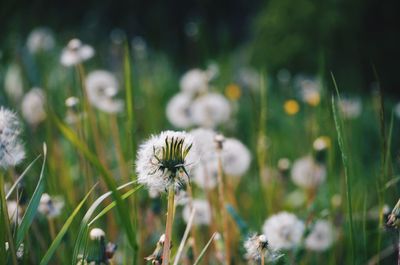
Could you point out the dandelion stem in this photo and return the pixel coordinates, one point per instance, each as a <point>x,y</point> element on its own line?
<point>168,226</point>
<point>262,258</point>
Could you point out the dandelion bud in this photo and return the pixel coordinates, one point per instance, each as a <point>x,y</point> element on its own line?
<point>97,250</point>
<point>156,256</point>
<point>219,139</point>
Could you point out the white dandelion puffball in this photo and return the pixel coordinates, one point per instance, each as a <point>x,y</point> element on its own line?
<point>11,149</point>
<point>205,174</point>
<point>14,212</point>
<point>307,173</point>
<point>13,85</point>
<point>96,234</point>
<point>178,110</point>
<point>236,158</point>
<point>321,237</point>
<point>40,39</point>
<point>33,106</point>
<point>165,160</point>
<point>202,215</point>
<point>194,81</point>
<point>350,108</point>
<point>102,87</point>
<point>284,230</point>
<point>49,206</point>
<point>75,53</point>
<point>255,246</point>
<point>205,144</point>
<point>210,110</point>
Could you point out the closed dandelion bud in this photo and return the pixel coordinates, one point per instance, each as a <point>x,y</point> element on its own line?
<point>97,247</point>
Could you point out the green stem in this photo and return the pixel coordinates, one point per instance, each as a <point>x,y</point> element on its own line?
<point>168,226</point>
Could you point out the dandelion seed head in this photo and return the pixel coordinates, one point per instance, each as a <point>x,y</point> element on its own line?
<point>40,40</point>
<point>71,102</point>
<point>321,236</point>
<point>97,234</point>
<point>202,215</point>
<point>13,84</point>
<point>178,110</point>
<point>194,81</point>
<point>101,87</point>
<point>284,230</point>
<point>236,157</point>
<point>33,106</point>
<point>11,149</point>
<point>50,207</point>
<point>307,173</point>
<point>75,53</point>
<point>350,108</point>
<point>210,110</point>
<point>165,160</point>
<point>205,143</point>
<point>205,175</point>
<point>257,246</point>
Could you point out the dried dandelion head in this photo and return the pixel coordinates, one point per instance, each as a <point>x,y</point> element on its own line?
<point>257,246</point>
<point>75,53</point>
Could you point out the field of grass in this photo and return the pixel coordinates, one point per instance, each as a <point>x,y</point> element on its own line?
<point>310,148</point>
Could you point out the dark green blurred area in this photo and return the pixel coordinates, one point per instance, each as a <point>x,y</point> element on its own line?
<point>345,37</point>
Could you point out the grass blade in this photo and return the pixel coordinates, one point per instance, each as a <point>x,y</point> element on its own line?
<point>57,241</point>
<point>203,252</point>
<point>185,235</point>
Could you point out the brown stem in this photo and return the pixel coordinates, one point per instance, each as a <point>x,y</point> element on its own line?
<point>168,225</point>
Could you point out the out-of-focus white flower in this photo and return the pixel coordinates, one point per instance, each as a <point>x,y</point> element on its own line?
<point>205,144</point>
<point>178,110</point>
<point>397,110</point>
<point>310,89</point>
<point>11,149</point>
<point>249,78</point>
<point>13,84</point>
<point>350,108</point>
<point>205,174</point>
<point>14,212</point>
<point>102,87</point>
<point>40,39</point>
<point>257,246</point>
<point>321,237</point>
<point>33,106</point>
<point>195,81</point>
<point>165,160</point>
<point>284,230</point>
<point>50,207</point>
<point>202,215</point>
<point>210,110</point>
<point>20,250</point>
<point>307,173</point>
<point>75,53</point>
<point>236,158</point>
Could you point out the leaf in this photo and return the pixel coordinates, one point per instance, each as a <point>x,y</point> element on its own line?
<point>57,241</point>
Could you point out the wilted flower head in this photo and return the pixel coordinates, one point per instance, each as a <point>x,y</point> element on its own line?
<point>236,157</point>
<point>40,39</point>
<point>98,251</point>
<point>178,110</point>
<point>102,87</point>
<point>14,212</point>
<point>284,230</point>
<point>195,81</point>
<point>75,53</point>
<point>350,108</point>
<point>33,106</point>
<point>307,173</point>
<point>50,207</point>
<point>394,216</point>
<point>257,246</point>
<point>202,215</point>
<point>13,84</point>
<point>321,236</point>
<point>11,149</point>
<point>164,160</point>
<point>210,110</point>
<point>156,256</point>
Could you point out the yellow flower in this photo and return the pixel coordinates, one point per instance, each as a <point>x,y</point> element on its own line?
<point>291,107</point>
<point>233,92</point>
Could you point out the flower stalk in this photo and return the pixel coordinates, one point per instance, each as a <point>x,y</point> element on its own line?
<point>168,226</point>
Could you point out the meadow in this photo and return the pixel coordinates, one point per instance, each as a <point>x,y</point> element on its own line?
<point>109,154</point>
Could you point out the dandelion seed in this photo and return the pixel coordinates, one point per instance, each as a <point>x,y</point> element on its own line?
<point>350,108</point>
<point>75,53</point>
<point>321,236</point>
<point>236,158</point>
<point>33,106</point>
<point>50,207</point>
<point>195,81</point>
<point>257,246</point>
<point>165,160</point>
<point>284,230</point>
<point>202,214</point>
<point>40,40</point>
<point>210,110</point>
<point>11,149</point>
<point>178,110</point>
<point>102,87</point>
<point>13,84</point>
<point>307,173</point>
